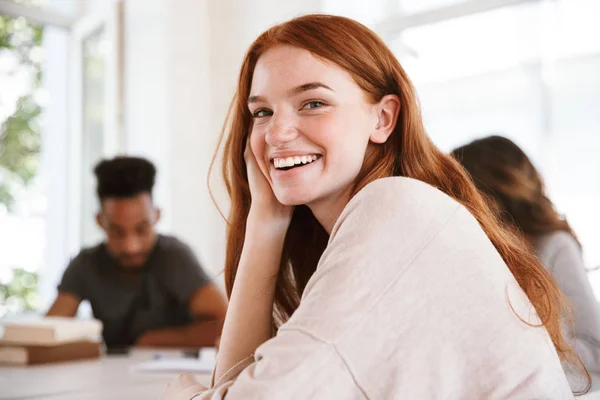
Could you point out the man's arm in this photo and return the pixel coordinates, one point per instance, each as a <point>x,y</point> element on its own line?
<point>72,288</point>
<point>209,307</point>
<point>65,305</point>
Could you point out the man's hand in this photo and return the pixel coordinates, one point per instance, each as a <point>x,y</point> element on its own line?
<point>185,387</point>
<point>65,305</point>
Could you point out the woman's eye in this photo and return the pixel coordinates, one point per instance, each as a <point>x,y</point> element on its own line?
<point>262,113</point>
<point>313,104</point>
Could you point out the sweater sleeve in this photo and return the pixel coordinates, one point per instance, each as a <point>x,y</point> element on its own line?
<point>567,267</point>
<point>291,365</point>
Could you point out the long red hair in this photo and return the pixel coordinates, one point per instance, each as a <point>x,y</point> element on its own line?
<point>408,152</point>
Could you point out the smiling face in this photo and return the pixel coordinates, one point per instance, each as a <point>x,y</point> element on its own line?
<point>312,125</point>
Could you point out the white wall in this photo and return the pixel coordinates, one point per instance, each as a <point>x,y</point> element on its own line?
<point>146,124</point>
<point>190,130</point>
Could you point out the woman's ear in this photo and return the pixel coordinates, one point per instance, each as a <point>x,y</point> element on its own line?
<point>387,110</point>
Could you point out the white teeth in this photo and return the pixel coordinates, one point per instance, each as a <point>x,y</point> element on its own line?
<point>291,161</point>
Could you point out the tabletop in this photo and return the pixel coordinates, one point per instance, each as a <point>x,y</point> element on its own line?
<point>109,377</point>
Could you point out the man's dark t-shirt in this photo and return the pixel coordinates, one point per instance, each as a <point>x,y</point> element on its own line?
<point>156,298</point>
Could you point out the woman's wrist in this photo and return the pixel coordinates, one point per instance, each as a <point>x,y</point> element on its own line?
<point>268,223</point>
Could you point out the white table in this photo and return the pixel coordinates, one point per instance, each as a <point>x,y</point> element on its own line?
<point>110,377</point>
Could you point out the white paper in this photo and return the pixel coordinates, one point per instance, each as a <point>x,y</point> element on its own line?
<point>203,364</point>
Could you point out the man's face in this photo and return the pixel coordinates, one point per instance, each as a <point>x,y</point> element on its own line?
<point>129,226</point>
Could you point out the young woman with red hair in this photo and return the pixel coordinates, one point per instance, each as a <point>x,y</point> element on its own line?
<point>362,262</point>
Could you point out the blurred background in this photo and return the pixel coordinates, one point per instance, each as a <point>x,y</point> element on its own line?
<point>85,79</point>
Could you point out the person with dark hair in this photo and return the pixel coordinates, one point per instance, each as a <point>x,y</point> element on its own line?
<point>504,173</point>
<point>147,289</point>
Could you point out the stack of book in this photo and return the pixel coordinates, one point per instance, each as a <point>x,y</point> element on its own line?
<point>48,339</point>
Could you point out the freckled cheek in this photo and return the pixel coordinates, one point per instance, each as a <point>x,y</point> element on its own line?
<point>324,132</point>
<point>343,141</point>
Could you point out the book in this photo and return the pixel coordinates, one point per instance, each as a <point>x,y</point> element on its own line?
<point>48,331</point>
<point>28,355</point>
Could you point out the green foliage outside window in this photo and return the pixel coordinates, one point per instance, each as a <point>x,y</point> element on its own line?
<point>20,142</point>
<point>20,133</point>
<point>20,294</point>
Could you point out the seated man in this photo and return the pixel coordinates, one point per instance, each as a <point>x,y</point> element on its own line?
<point>147,289</point>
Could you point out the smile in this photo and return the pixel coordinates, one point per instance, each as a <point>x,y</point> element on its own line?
<point>286,163</point>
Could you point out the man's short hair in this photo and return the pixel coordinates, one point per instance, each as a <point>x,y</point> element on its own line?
<point>124,177</point>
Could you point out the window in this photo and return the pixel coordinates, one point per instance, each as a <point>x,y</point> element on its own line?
<point>23,203</point>
<point>58,111</point>
<point>528,72</point>
<point>419,6</point>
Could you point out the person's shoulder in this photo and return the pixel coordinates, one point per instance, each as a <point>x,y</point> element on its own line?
<point>91,252</point>
<point>173,247</point>
<point>558,238</point>
<point>399,201</point>
<point>400,193</point>
<point>171,243</point>
<point>552,243</point>
<point>176,259</point>
<point>87,256</point>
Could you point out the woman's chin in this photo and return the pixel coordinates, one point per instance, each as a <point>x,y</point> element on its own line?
<point>293,199</point>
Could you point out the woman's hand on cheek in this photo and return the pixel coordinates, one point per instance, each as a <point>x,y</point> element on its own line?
<point>265,207</point>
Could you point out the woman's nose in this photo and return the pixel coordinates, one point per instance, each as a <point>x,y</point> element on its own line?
<point>281,130</point>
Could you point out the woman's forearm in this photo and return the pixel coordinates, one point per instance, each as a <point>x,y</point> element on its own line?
<point>248,322</point>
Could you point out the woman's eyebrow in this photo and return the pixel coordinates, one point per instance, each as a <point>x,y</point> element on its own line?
<point>294,91</point>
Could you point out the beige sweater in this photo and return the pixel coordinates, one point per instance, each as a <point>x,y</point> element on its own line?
<point>409,301</point>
